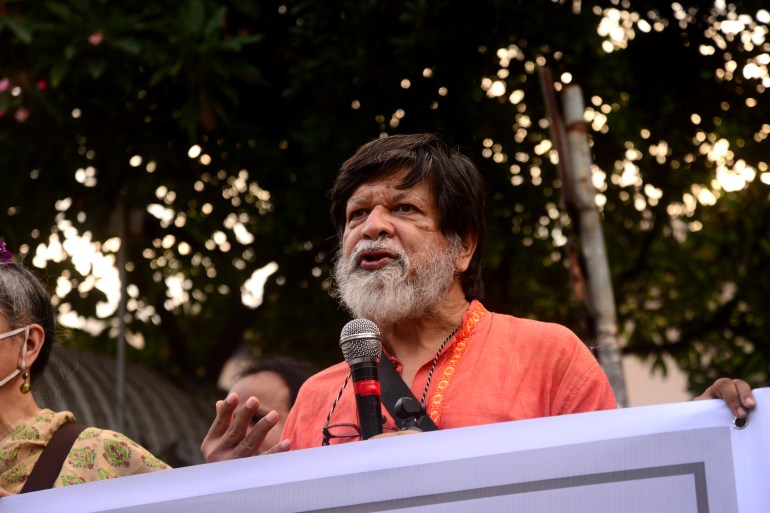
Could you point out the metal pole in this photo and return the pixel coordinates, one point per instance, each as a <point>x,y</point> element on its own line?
<point>120,359</point>
<point>592,245</point>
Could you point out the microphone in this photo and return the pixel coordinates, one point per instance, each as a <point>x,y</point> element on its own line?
<point>361,346</point>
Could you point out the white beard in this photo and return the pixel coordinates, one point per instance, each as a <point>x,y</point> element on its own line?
<point>398,291</point>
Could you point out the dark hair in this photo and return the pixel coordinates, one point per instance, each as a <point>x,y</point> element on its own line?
<point>454,181</point>
<point>24,301</point>
<point>293,372</point>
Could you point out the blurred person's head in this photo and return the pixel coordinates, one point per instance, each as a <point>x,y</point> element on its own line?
<point>275,381</point>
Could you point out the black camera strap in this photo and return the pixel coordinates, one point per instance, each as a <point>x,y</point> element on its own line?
<point>393,390</point>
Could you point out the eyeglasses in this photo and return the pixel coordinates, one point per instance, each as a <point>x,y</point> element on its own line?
<point>343,429</point>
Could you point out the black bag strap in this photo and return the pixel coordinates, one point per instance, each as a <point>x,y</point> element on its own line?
<point>48,466</point>
<point>393,389</point>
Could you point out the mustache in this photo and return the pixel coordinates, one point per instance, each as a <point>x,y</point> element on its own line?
<point>366,246</point>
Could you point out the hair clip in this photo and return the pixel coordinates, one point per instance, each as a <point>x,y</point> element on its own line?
<point>6,257</point>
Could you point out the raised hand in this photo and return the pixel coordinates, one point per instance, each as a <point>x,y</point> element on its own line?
<point>233,436</point>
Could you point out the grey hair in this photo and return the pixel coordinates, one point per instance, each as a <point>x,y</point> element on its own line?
<point>23,301</point>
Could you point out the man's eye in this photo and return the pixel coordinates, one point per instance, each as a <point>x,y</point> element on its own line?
<point>404,208</point>
<point>356,214</point>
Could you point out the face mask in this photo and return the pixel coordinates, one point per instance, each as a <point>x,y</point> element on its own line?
<point>7,334</point>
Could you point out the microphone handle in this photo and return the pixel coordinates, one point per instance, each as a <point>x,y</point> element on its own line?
<point>366,385</point>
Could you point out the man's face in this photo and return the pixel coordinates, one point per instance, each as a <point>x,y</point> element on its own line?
<point>394,264</point>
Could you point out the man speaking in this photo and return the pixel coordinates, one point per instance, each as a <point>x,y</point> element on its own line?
<point>409,211</point>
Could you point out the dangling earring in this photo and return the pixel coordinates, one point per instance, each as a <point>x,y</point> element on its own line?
<point>24,388</point>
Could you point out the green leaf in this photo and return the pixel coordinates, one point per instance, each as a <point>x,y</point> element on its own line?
<point>129,45</point>
<point>97,67</point>
<point>69,52</point>
<point>61,10</point>
<point>236,43</point>
<point>248,73</point>
<point>157,77</point>
<point>196,15</point>
<point>20,28</point>
<point>57,73</point>
<point>215,22</point>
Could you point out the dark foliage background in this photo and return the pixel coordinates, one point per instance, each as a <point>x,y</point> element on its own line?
<point>234,116</point>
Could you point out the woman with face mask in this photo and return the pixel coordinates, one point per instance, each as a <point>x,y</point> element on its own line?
<point>27,327</point>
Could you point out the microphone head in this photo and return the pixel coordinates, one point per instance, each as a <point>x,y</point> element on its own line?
<point>360,339</point>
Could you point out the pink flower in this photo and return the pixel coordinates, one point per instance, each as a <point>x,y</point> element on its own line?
<point>21,115</point>
<point>4,85</point>
<point>42,84</point>
<point>96,38</point>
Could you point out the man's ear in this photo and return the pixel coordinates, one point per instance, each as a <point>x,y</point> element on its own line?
<point>35,343</point>
<point>466,255</point>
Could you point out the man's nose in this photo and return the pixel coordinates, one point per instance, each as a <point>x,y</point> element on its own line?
<point>378,224</point>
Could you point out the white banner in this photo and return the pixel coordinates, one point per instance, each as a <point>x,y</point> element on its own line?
<point>672,458</point>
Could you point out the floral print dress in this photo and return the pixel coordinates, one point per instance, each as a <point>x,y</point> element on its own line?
<point>96,454</point>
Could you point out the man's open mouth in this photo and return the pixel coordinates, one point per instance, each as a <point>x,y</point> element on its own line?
<point>377,259</point>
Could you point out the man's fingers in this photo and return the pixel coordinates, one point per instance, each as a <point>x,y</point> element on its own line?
<point>220,438</point>
<point>729,393</point>
<point>242,418</point>
<point>391,434</point>
<point>224,415</point>
<point>744,399</point>
<point>282,446</point>
<point>259,431</point>
<point>232,435</point>
<point>744,392</point>
<point>736,393</point>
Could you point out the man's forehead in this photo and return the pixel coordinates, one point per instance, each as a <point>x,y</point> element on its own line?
<point>393,183</point>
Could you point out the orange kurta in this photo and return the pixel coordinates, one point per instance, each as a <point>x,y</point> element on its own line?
<point>497,368</point>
